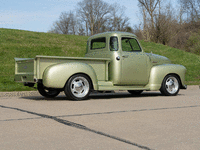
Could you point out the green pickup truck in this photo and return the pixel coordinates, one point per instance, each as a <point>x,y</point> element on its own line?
<point>113,61</point>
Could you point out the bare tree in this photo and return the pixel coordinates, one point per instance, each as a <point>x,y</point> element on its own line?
<point>192,9</point>
<point>94,13</point>
<point>81,30</point>
<point>66,24</point>
<point>92,16</point>
<point>150,6</point>
<point>163,26</point>
<point>149,13</point>
<point>145,28</point>
<point>118,20</point>
<point>176,28</point>
<point>166,25</point>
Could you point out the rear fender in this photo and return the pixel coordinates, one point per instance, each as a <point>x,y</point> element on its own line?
<point>56,76</point>
<point>159,72</point>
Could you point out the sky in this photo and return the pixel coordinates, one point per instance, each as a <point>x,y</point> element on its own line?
<point>39,15</point>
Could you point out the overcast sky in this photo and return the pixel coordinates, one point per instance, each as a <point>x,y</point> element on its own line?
<point>39,15</point>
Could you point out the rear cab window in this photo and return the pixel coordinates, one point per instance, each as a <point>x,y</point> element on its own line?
<point>98,43</point>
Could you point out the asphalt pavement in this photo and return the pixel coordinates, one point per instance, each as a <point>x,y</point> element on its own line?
<point>108,121</point>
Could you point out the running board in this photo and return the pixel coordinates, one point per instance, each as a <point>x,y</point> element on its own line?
<point>108,86</point>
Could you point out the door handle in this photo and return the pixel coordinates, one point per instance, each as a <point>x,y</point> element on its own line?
<point>118,58</point>
<point>125,56</point>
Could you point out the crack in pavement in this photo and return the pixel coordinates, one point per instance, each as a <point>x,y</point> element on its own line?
<point>111,112</point>
<point>78,126</point>
<point>124,111</point>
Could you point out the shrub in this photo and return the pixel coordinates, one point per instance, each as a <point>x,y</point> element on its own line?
<point>193,44</point>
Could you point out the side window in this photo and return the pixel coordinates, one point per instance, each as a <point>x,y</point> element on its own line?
<point>98,43</point>
<point>130,45</point>
<point>113,43</point>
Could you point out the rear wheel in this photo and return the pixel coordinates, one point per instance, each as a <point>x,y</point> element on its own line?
<point>135,92</point>
<point>78,87</point>
<point>47,92</point>
<point>170,85</point>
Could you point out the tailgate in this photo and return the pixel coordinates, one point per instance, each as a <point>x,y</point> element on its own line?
<point>24,69</point>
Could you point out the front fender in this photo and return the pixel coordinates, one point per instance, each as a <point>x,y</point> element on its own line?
<point>56,76</point>
<point>159,72</point>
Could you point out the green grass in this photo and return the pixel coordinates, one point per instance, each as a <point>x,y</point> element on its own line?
<point>27,44</point>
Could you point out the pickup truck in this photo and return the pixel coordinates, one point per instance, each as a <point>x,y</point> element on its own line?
<point>113,61</point>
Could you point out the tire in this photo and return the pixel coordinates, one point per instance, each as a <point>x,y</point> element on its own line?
<point>170,85</point>
<point>47,92</point>
<point>135,92</point>
<point>78,87</point>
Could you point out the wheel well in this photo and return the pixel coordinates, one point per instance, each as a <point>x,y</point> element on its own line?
<point>85,75</point>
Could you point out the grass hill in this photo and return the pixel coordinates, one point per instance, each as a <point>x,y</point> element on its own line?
<point>27,44</point>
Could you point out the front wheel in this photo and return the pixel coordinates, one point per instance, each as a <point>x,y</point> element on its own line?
<point>78,87</point>
<point>170,85</point>
<point>47,92</point>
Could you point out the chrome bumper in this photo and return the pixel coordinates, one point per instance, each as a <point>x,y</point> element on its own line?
<point>184,87</point>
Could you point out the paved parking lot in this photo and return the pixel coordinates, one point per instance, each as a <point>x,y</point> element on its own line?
<point>105,121</point>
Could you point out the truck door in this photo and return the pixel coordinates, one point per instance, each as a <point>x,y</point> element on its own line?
<point>133,63</point>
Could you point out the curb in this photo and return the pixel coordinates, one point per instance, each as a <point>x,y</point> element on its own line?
<point>19,94</point>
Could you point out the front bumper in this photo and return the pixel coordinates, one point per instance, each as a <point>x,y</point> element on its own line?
<point>184,87</point>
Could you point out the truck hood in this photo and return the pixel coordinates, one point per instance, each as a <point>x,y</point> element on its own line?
<point>158,59</point>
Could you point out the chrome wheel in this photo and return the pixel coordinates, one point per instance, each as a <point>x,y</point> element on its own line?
<point>172,85</point>
<point>79,87</point>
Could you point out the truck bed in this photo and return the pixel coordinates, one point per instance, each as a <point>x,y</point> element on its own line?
<point>29,70</point>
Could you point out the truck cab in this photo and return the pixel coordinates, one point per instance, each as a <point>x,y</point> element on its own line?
<point>129,65</point>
